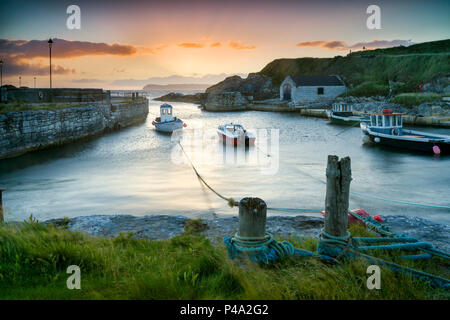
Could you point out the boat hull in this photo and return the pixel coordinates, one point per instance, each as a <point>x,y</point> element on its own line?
<point>420,146</point>
<point>348,121</point>
<point>168,127</point>
<point>235,141</point>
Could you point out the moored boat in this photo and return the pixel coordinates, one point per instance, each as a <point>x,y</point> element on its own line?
<point>166,122</point>
<point>342,113</point>
<point>386,128</point>
<point>235,134</point>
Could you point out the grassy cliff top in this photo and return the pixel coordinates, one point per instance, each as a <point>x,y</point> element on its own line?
<point>411,65</point>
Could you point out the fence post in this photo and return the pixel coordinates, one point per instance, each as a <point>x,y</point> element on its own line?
<point>339,176</point>
<point>252,217</point>
<point>2,219</point>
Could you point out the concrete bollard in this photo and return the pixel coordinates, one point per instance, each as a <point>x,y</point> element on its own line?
<point>2,219</point>
<point>252,217</point>
<point>339,176</point>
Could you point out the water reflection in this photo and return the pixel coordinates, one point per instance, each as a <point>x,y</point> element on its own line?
<point>139,171</point>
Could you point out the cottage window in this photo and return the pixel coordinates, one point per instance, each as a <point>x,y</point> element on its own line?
<point>319,90</point>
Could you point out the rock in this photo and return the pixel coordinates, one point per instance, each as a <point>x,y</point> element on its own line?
<point>225,101</point>
<point>162,227</point>
<point>234,93</point>
<point>179,97</point>
<point>437,85</point>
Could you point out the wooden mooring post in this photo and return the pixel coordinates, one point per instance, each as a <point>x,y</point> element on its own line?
<point>252,218</point>
<point>2,219</point>
<point>339,176</point>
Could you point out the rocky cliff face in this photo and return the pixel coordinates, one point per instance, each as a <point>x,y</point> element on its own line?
<point>25,131</point>
<point>235,93</point>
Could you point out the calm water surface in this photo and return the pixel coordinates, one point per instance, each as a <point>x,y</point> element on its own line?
<point>139,171</point>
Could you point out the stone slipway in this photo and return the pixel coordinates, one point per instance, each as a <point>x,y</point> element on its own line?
<point>162,227</point>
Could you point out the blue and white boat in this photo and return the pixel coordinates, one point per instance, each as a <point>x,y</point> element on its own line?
<point>166,122</point>
<point>386,128</point>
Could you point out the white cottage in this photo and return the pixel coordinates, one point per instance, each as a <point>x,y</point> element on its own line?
<point>306,89</point>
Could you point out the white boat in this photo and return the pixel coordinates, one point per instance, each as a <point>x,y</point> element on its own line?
<point>166,122</point>
<point>235,134</point>
<point>342,113</point>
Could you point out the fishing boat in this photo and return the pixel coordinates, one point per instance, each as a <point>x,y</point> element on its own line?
<point>235,134</point>
<point>386,128</point>
<point>166,122</point>
<point>342,113</point>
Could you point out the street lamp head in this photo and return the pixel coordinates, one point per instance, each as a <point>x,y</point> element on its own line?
<point>50,41</point>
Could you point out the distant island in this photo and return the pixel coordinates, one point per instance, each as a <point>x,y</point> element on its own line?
<point>180,86</point>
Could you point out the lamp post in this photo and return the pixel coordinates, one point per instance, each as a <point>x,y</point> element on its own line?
<point>35,82</point>
<point>1,72</point>
<point>20,81</point>
<point>50,54</point>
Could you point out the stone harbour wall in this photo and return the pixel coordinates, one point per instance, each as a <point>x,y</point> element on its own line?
<point>25,131</point>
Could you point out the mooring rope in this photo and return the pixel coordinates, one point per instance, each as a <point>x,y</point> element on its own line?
<point>368,196</point>
<point>231,201</point>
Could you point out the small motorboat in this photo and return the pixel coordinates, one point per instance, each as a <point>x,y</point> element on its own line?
<point>386,128</point>
<point>342,113</point>
<point>235,134</point>
<point>166,122</point>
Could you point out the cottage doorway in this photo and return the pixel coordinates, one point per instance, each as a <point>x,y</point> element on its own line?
<point>287,89</point>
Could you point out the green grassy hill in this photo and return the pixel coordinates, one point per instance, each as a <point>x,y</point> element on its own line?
<point>372,69</point>
<point>441,46</point>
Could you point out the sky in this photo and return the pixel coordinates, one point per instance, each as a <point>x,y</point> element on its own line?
<point>127,44</point>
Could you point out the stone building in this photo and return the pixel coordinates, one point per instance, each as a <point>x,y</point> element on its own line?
<point>310,89</point>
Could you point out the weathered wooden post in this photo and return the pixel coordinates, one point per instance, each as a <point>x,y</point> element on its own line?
<point>1,206</point>
<point>339,176</point>
<point>108,97</point>
<point>252,218</point>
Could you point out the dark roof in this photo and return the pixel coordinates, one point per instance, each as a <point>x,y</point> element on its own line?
<point>317,81</point>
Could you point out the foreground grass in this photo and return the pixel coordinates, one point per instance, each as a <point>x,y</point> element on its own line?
<point>34,259</point>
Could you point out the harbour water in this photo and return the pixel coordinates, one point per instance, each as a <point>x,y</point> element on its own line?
<point>139,171</point>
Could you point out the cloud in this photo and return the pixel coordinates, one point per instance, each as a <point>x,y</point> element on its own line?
<point>13,67</point>
<point>191,45</point>
<point>342,45</point>
<point>215,44</point>
<point>25,57</point>
<point>239,45</point>
<point>62,49</point>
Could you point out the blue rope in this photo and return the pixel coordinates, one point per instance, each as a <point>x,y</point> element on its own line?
<point>264,250</point>
<point>399,201</point>
<point>295,209</point>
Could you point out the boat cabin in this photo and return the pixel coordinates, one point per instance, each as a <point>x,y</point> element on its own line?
<point>342,109</point>
<point>233,128</point>
<point>386,120</point>
<point>166,112</point>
